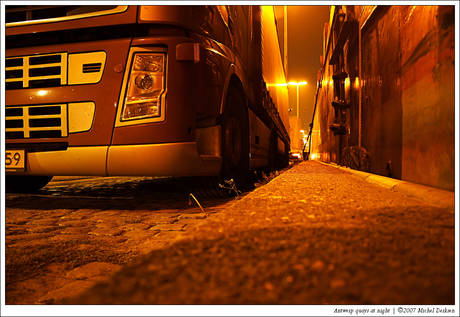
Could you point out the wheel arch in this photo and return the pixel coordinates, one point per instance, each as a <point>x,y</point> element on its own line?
<point>235,79</point>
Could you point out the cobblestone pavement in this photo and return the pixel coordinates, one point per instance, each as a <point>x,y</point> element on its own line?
<point>314,235</point>
<point>75,232</point>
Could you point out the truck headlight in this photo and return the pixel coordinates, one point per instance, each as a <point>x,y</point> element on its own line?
<point>146,84</point>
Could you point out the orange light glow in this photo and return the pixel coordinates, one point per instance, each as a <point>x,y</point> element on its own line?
<point>294,83</point>
<point>356,83</point>
<point>347,83</point>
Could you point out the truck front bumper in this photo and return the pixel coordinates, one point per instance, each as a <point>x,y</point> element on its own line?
<point>166,159</point>
<point>171,159</point>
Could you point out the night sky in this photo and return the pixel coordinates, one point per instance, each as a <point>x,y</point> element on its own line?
<point>305,46</point>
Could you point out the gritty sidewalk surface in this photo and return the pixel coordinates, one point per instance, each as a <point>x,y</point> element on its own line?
<point>313,235</point>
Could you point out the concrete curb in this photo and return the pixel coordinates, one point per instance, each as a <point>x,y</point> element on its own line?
<point>431,195</point>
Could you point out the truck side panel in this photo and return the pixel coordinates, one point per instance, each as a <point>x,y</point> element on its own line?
<point>272,66</point>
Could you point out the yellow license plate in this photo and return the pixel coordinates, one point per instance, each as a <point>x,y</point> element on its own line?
<point>15,160</point>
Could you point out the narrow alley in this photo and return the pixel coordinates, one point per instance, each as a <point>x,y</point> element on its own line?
<point>317,234</point>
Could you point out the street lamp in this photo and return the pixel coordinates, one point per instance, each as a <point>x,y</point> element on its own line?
<point>297,84</point>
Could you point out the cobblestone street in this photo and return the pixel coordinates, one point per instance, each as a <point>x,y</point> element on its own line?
<point>73,233</point>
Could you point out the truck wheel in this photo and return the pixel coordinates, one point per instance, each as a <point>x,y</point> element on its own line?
<point>283,159</point>
<point>26,184</point>
<point>235,151</point>
<point>235,140</point>
<point>273,149</point>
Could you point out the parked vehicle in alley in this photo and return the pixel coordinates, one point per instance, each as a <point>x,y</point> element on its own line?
<point>143,91</point>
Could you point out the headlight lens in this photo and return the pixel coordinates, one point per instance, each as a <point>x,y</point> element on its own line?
<point>144,82</point>
<point>145,86</point>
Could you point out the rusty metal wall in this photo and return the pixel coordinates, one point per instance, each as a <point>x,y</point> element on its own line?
<point>381,93</point>
<point>403,63</point>
<point>428,95</point>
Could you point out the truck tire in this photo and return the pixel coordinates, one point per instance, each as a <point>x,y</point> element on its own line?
<point>235,140</point>
<point>273,149</point>
<point>235,151</point>
<point>26,183</point>
<point>282,160</point>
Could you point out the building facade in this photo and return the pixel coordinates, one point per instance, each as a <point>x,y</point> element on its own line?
<point>386,96</point>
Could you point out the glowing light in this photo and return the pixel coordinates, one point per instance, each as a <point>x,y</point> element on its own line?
<point>356,83</point>
<point>294,83</point>
<point>347,83</point>
<point>297,84</point>
<point>42,92</point>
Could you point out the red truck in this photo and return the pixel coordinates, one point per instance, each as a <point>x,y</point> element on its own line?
<point>194,91</point>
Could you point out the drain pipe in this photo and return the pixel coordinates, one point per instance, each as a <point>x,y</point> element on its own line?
<point>313,118</point>
<point>360,58</point>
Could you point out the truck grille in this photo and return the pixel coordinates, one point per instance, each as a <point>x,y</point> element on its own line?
<point>47,121</point>
<point>36,71</point>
